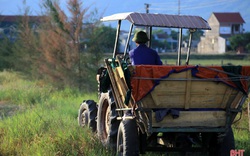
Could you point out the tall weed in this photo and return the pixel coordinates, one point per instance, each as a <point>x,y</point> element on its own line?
<point>15,88</point>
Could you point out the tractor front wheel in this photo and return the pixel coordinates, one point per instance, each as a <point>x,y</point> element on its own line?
<point>87,114</point>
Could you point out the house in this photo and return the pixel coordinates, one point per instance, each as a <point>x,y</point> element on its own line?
<point>9,24</point>
<point>223,26</point>
<point>163,42</point>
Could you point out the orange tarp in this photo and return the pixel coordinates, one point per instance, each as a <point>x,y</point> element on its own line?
<point>146,77</point>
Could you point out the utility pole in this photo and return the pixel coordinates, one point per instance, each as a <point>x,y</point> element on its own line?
<point>147,7</point>
<point>179,9</point>
<point>148,31</point>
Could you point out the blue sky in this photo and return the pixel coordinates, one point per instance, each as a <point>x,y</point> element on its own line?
<point>203,8</point>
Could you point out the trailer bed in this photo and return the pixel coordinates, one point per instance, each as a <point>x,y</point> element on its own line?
<point>202,96</point>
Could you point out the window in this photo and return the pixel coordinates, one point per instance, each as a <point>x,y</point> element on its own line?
<point>225,30</point>
<point>236,28</point>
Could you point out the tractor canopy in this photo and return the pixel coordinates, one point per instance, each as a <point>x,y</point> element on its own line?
<point>161,20</point>
<point>149,20</point>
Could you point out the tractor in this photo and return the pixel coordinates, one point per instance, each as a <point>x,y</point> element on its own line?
<point>179,108</point>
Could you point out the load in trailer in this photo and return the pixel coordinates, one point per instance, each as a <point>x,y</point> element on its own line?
<point>166,108</point>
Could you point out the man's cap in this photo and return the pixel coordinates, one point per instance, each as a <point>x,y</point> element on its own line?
<point>140,37</point>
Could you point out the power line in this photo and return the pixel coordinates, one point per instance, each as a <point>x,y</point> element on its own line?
<point>186,6</point>
<point>187,3</point>
<point>203,5</point>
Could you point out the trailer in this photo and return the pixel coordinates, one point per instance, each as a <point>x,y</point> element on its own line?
<point>165,108</point>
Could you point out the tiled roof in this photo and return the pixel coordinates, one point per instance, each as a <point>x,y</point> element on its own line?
<point>229,17</point>
<point>13,18</point>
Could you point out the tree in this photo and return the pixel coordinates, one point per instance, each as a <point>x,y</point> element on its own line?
<point>240,40</point>
<point>161,44</point>
<point>25,51</point>
<point>196,35</point>
<point>5,53</point>
<point>174,34</point>
<point>59,43</point>
<point>18,50</point>
<point>56,51</point>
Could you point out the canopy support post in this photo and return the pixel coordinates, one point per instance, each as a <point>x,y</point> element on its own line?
<point>128,39</point>
<point>179,48</point>
<point>117,38</point>
<point>189,45</point>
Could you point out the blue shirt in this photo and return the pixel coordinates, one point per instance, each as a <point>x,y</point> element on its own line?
<point>142,55</point>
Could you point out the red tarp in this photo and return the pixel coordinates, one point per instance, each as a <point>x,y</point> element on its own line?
<point>146,77</point>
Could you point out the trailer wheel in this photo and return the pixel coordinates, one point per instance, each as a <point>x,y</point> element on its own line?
<point>227,143</point>
<point>223,148</point>
<point>127,138</point>
<point>87,114</point>
<point>107,123</point>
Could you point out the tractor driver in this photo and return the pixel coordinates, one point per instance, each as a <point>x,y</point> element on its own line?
<point>143,55</point>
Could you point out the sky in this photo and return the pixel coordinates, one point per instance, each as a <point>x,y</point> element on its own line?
<point>203,8</point>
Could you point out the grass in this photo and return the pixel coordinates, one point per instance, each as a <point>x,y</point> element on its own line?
<point>47,124</point>
<point>46,121</point>
<point>241,131</point>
